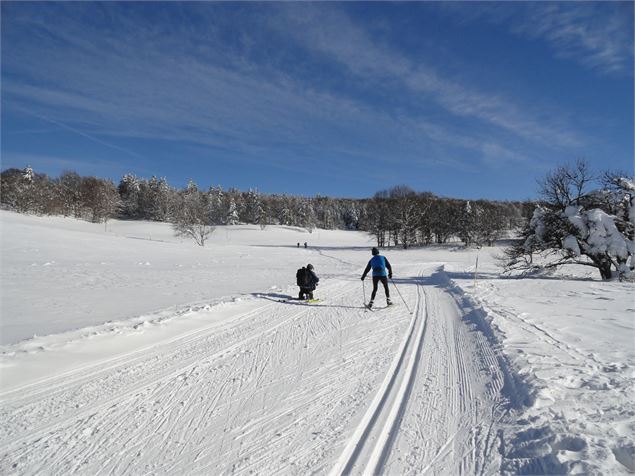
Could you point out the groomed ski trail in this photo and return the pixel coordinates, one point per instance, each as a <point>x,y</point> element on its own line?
<point>282,389</point>
<point>437,408</point>
<point>267,391</point>
<point>369,444</point>
<point>449,422</point>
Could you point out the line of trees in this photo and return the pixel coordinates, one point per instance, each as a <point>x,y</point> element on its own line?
<point>89,198</point>
<point>400,216</point>
<point>396,217</point>
<point>580,218</point>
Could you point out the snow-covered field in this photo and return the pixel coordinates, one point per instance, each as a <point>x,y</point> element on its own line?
<point>127,351</point>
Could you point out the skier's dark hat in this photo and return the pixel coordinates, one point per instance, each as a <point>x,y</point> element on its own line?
<point>309,266</point>
<point>374,251</point>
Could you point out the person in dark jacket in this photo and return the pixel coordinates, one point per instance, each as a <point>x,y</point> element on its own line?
<point>307,280</point>
<point>382,272</point>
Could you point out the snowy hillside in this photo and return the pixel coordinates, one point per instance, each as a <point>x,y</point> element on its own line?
<point>154,355</point>
<point>83,275</point>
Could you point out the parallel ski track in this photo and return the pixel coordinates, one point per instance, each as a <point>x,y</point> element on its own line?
<point>370,443</point>
<point>459,367</point>
<point>437,408</point>
<point>161,356</point>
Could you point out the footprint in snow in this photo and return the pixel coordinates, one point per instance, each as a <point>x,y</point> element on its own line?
<point>615,367</point>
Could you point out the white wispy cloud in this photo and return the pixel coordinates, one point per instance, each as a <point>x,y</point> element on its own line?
<point>151,84</point>
<point>596,34</point>
<point>83,134</point>
<point>599,35</point>
<point>333,33</point>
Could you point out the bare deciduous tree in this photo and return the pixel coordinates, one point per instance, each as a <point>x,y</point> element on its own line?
<point>191,217</point>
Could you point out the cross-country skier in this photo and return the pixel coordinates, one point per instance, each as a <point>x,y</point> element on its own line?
<point>378,264</point>
<point>307,280</point>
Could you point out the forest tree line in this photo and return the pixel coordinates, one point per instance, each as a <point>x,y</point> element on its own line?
<point>398,216</point>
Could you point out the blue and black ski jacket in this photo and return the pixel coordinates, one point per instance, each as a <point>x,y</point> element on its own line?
<point>378,264</point>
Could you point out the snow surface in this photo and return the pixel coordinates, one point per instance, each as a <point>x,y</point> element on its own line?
<point>154,355</point>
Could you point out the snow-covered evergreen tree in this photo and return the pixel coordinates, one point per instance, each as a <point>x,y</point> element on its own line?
<point>285,216</point>
<point>216,207</point>
<point>129,191</point>
<point>27,174</point>
<point>155,199</point>
<point>232,212</point>
<point>306,215</point>
<point>253,207</point>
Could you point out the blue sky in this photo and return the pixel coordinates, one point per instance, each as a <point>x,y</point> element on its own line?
<point>469,100</point>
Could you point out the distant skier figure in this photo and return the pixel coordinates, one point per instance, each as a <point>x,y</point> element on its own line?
<point>307,280</point>
<point>298,244</point>
<point>378,264</point>
<point>305,244</point>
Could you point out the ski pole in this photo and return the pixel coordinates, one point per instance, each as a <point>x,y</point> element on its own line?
<point>364,290</point>
<point>475,270</point>
<point>404,301</point>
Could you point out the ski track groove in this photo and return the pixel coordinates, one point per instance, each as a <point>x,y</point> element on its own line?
<point>169,390</point>
<point>23,397</point>
<point>282,388</point>
<point>455,396</point>
<point>370,438</point>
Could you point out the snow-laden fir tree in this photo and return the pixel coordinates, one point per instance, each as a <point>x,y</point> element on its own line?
<point>232,212</point>
<point>156,199</point>
<point>129,190</point>
<point>285,216</point>
<point>27,174</point>
<point>306,215</point>
<point>252,207</point>
<point>262,219</point>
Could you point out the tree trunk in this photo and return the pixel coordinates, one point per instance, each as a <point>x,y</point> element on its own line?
<point>605,270</point>
<point>604,265</point>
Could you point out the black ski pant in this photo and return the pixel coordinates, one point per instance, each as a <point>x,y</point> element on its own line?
<point>384,281</point>
<point>307,291</point>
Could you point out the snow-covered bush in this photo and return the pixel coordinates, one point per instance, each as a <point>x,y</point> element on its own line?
<point>573,226</point>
